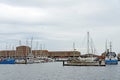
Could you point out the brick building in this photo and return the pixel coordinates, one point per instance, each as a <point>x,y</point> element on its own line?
<point>7,53</point>
<point>40,53</point>
<point>23,51</point>
<point>64,53</point>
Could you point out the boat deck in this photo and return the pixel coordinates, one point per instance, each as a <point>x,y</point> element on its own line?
<point>84,63</point>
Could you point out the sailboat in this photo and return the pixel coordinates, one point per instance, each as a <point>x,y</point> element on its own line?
<point>88,61</point>
<point>111,57</point>
<point>89,56</point>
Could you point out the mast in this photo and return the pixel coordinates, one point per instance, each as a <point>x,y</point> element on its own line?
<point>13,50</point>
<point>31,44</point>
<point>74,49</point>
<point>36,49</point>
<point>26,49</point>
<point>41,55</point>
<point>110,46</point>
<point>92,49</point>
<point>6,51</point>
<point>106,50</point>
<point>27,52</point>
<point>26,42</point>
<point>37,45</point>
<point>44,55</point>
<point>9,51</point>
<point>87,42</point>
<point>20,42</point>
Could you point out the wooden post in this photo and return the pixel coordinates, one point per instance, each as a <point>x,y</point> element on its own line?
<point>63,62</point>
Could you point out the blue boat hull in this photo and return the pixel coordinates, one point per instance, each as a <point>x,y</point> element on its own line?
<point>111,61</point>
<point>7,61</point>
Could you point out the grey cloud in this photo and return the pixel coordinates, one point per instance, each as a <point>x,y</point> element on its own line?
<point>40,3</point>
<point>70,15</point>
<point>60,22</point>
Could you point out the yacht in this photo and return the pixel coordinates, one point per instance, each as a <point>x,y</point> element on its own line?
<point>90,60</point>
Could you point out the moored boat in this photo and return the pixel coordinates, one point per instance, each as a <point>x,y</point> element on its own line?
<point>111,58</point>
<point>7,61</point>
<point>20,61</point>
<point>30,58</point>
<point>87,61</point>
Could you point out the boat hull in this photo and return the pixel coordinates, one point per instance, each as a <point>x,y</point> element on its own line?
<point>111,61</point>
<point>7,61</point>
<point>18,61</point>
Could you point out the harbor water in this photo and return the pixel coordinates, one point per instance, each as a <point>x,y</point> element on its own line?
<point>56,71</point>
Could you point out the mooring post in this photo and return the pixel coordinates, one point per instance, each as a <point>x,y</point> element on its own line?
<point>63,62</point>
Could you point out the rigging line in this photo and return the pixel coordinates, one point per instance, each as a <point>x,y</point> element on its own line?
<point>95,51</point>
<point>83,44</point>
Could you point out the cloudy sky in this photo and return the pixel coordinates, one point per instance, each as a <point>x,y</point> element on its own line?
<point>56,24</point>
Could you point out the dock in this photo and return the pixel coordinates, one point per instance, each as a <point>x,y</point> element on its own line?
<point>83,63</point>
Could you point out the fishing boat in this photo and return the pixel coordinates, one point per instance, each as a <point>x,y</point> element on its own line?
<point>7,61</point>
<point>111,57</point>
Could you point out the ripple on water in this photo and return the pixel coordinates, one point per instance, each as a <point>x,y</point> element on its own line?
<point>55,71</point>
